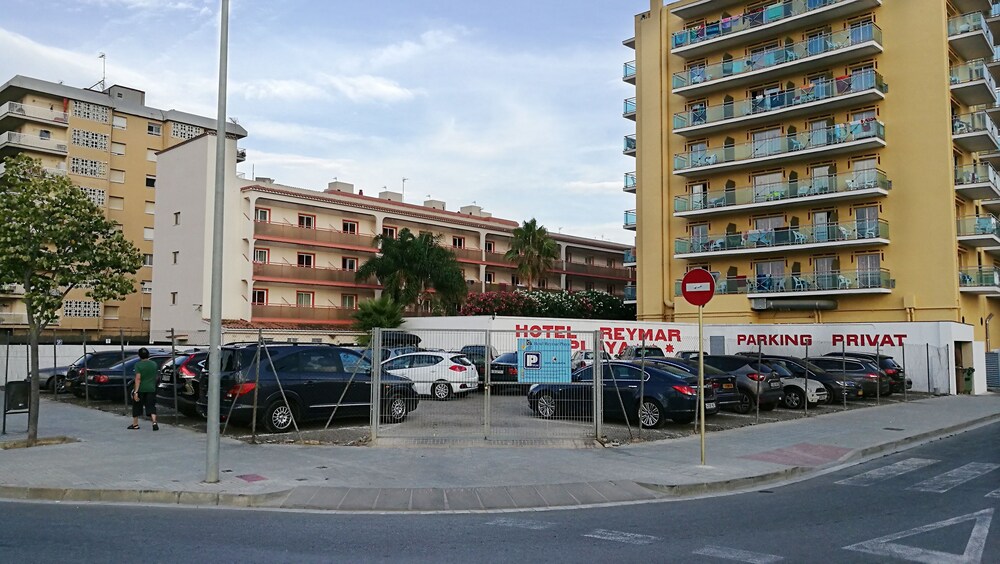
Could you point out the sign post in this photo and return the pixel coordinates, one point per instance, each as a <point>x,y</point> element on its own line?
<point>698,287</point>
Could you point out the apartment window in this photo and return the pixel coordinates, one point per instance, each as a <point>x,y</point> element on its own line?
<point>349,301</point>
<point>151,155</point>
<point>147,259</point>
<point>92,140</point>
<point>869,270</point>
<point>307,221</point>
<point>111,312</point>
<point>514,280</point>
<point>117,176</point>
<point>153,128</point>
<point>589,286</point>
<point>304,299</point>
<point>818,134</point>
<point>96,195</point>
<point>118,149</point>
<point>766,142</point>
<point>458,242</point>
<point>88,167</point>
<point>350,227</point>
<point>262,256</point>
<point>150,208</point>
<point>769,273</point>
<point>866,221</point>
<point>349,263</point>
<point>184,131</point>
<point>150,181</point>
<point>543,283</point>
<point>769,223</point>
<point>119,122</point>
<point>147,233</point>
<point>610,263</point>
<point>262,214</point>
<point>177,218</point>
<point>612,289</point>
<point>93,112</point>
<point>389,232</point>
<point>116,203</point>
<point>490,246</point>
<point>259,297</point>
<point>768,186</point>
<point>306,260</point>
<point>147,286</point>
<point>145,313</point>
<point>822,179</point>
<point>589,261</point>
<point>826,270</point>
<point>699,237</point>
<point>490,277</point>
<point>699,195</point>
<point>81,308</point>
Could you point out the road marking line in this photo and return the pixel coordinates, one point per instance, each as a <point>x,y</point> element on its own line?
<point>521,524</point>
<point>737,555</point>
<point>619,536</point>
<point>885,472</point>
<point>994,493</point>
<point>958,476</point>
<point>973,554</point>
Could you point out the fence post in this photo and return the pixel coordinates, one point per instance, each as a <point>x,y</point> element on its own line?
<point>55,362</point>
<point>904,373</point>
<point>928,347</point>
<point>598,371</point>
<point>878,375</point>
<point>376,379</point>
<point>83,381</point>
<point>949,373</point>
<point>843,371</point>
<point>805,406</point>
<point>174,379</point>
<point>121,345</point>
<point>642,387</point>
<point>488,361</point>
<point>760,376</point>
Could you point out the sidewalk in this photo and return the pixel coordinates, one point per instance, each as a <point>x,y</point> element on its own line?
<point>108,463</point>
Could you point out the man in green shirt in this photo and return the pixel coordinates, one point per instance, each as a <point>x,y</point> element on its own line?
<point>144,390</point>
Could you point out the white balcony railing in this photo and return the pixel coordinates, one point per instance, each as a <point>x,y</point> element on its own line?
<point>33,142</point>
<point>33,112</point>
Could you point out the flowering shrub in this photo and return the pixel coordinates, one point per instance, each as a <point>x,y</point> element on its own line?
<point>590,304</point>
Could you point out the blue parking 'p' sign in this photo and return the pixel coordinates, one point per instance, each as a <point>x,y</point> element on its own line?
<point>543,361</point>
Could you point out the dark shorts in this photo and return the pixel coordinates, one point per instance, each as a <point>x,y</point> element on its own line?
<point>147,399</point>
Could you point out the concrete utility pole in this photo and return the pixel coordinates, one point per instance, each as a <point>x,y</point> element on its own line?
<point>215,325</point>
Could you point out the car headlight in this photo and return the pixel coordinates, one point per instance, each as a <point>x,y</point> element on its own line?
<point>841,383</point>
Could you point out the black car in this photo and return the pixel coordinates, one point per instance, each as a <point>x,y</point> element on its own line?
<point>98,360</point>
<point>865,372</point>
<point>726,393</point>
<point>888,365</point>
<point>836,387</point>
<point>503,374</point>
<point>314,378</point>
<point>751,378</point>
<point>666,395</point>
<point>113,381</point>
<point>181,375</point>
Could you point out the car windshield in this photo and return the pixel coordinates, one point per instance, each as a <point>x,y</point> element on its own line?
<point>507,358</point>
<point>778,367</point>
<point>107,360</point>
<point>648,351</point>
<point>709,370</point>
<point>460,359</point>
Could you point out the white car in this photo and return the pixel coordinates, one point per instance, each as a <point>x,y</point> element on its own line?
<point>586,358</point>
<point>794,395</point>
<point>436,374</point>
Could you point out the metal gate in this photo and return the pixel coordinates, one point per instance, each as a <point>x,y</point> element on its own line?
<point>468,390</point>
<point>993,370</point>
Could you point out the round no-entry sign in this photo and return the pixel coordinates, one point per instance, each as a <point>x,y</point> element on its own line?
<point>698,286</point>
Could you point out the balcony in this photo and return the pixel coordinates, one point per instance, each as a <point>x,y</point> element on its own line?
<point>862,87</point>
<point>302,314</point>
<point>630,42</point>
<point>970,37</point>
<point>294,274</point>
<point>7,318</point>
<point>805,145</point>
<point>993,21</point>
<point>975,132</point>
<point>972,85</point>
<point>629,182</point>
<point>630,220</point>
<point>762,24</point>
<point>804,284</point>
<point>819,52</point>
<point>466,254</point>
<point>592,270</point>
<point>629,111</point>
<point>979,280</point>
<point>629,145</point>
<point>288,233</point>
<point>805,191</point>
<point>628,72</point>
<point>862,232</point>
<point>966,6</point>
<point>628,257</point>
<point>11,291</point>
<point>978,231</point>
<point>498,259</point>
<point>977,182</point>
<point>630,292</point>
<point>14,142</point>
<point>699,8</point>
<point>14,113</point>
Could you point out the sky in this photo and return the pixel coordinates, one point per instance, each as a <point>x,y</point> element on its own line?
<point>514,106</point>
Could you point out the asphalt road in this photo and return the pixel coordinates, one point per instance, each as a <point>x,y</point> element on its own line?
<point>934,503</point>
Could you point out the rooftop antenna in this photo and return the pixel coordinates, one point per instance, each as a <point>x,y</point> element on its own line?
<point>402,193</point>
<point>104,72</point>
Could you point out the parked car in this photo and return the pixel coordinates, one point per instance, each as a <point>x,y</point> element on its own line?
<point>503,374</point>
<point>836,387</point>
<point>586,358</point>
<point>751,377</point>
<point>437,374</point>
<point>687,355</point>
<point>314,379</point>
<point>111,382</point>
<point>666,395</point>
<point>633,352</point>
<point>865,372</point>
<point>99,360</point>
<point>479,350</point>
<point>797,390</point>
<point>181,375</point>
<point>888,365</point>
<point>726,393</point>
<point>49,378</point>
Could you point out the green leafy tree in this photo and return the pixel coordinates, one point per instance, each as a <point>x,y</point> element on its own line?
<point>380,312</point>
<point>410,267</point>
<point>533,250</point>
<point>54,239</point>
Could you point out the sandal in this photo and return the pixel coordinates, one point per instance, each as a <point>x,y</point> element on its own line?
<point>132,427</point>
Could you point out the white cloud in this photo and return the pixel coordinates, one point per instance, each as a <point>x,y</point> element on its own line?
<point>368,88</point>
<point>592,187</point>
<point>406,51</point>
<point>284,90</point>
<point>289,132</point>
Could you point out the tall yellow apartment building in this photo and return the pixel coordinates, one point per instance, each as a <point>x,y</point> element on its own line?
<point>829,160</point>
<point>106,142</point>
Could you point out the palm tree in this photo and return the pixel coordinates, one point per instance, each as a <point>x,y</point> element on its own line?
<point>533,250</point>
<point>379,312</point>
<point>408,267</point>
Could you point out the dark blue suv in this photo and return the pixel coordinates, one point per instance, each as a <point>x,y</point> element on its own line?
<point>315,379</point>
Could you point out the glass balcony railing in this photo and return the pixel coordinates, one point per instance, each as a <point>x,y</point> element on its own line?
<point>801,282</point>
<point>749,20</point>
<point>978,225</point>
<point>630,143</point>
<point>630,218</point>
<point>629,106</point>
<point>628,256</point>
<point>630,181</point>
<point>832,184</point>
<point>995,11</point>
<point>820,44</point>
<point>975,174</point>
<point>821,90</point>
<point>781,145</point>
<point>973,123</point>
<point>978,276</point>
<point>628,73</point>
<point>784,236</point>
<point>630,293</point>
<point>969,72</point>
<point>967,23</point>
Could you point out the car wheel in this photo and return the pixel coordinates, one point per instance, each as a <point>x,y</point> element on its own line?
<point>768,406</point>
<point>650,414</point>
<point>546,406</point>
<point>278,417</point>
<point>745,404</point>
<point>395,410</point>
<point>441,391</point>
<point>794,398</point>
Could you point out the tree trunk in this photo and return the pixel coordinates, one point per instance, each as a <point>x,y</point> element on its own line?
<point>33,401</point>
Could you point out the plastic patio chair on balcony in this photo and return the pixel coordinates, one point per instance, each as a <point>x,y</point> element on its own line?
<point>964,279</point>
<point>985,225</point>
<point>800,283</point>
<point>843,282</point>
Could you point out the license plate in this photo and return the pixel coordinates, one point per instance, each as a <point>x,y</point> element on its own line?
<point>775,384</point>
<point>727,386</point>
<point>710,406</point>
<point>861,393</point>
<point>165,378</point>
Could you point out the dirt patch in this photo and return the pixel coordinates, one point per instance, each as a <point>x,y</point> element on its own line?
<point>42,441</point>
